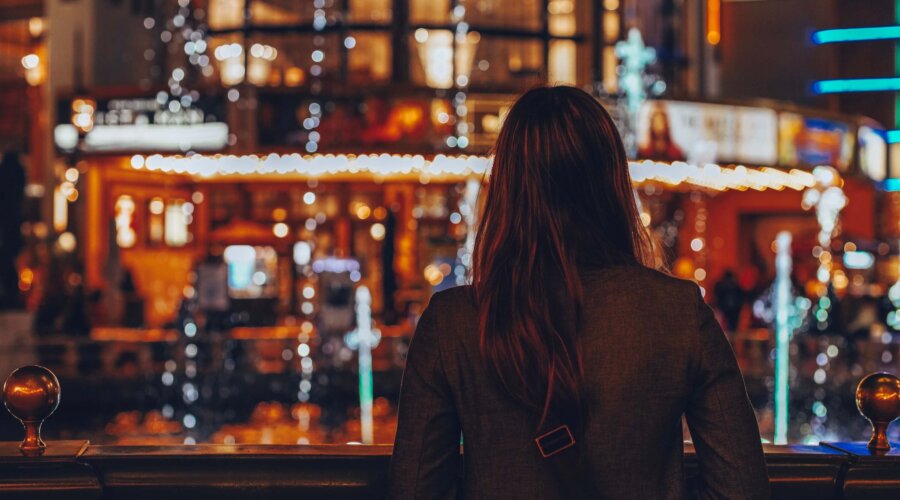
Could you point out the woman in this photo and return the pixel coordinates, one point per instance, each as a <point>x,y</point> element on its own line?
<point>568,364</point>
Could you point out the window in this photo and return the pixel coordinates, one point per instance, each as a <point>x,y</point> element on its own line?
<point>252,271</point>
<point>369,59</point>
<point>125,234</point>
<point>178,214</point>
<point>502,61</point>
<point>507,44</point>
<point>369,11</point>
<point>563,62</point>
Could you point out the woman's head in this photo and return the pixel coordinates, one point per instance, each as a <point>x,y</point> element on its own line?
<point>559,198</point>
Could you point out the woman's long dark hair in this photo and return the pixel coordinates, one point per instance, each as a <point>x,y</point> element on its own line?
<point>559,199</point>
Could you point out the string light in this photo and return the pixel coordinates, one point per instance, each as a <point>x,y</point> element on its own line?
<point>828,199</point>
<point>711,177</point>
<point>34,71</point>
<point>698,243</point>
<point>719,178</point>
<point>467,213</point>
<point>83,114</point>
<point>315,165</point>
<point>231,63</point>
<point>316,70</point>
<point>463,53</point>
<point>185,30</point>
<point>259,66</point>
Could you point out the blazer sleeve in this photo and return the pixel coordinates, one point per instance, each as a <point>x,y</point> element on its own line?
<point>721,419</point>
<point>426,459</point>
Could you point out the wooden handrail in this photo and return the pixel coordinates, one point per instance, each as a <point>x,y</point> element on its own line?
<point>79,469</point>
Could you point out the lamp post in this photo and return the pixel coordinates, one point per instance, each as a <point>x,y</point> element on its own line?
<point>363,340</point>
<point>783,331</point>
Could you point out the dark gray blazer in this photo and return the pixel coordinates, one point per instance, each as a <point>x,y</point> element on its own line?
<point>652,351</point>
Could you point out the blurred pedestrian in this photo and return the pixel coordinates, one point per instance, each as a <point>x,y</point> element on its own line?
<point>729,299</point>
<point>12,194</point>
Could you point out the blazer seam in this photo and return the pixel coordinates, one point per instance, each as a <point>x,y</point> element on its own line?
<point>430,410</point>
<point>731,442</point>
<point>433,329</point>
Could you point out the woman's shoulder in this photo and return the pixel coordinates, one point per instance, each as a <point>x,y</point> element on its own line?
<point>449,315</point>
<point>640,285</point>
<point>637,275</point>
<point>458,299</point>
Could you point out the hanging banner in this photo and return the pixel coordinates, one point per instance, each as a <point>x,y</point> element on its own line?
<point>703,133</point>
<point>872,153</point>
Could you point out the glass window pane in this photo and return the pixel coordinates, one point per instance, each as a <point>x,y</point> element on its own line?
<point>225,14</point>
<point>177,218</point>
<point>438,59</point>
<point>563,62</point>
<point>429,11</point>
<point>227,59</point>
<point>508,62</point>
<point>126,236</point>
<point>486,115</point>
<point>562,18</point>
<point>294,59</point>
<point>369,11</point>
<point>611,26</point>
<point>610,63</point>
<point>485,60</point>
<point>369,59</point>
<point>517,14</point>
<point>280,12</point>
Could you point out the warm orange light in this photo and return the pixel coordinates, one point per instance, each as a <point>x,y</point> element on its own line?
<point>26,277</point>
<point>294,76</point>
<point>713,21</point>
<point>60,210</point>
<point>363,211</point>
<point>83,114</point>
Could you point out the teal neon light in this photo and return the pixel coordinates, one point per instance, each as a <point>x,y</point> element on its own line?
<point>891,185</point>
<point>892,136</point>
<point>897,65</point>
<point>857,85</point>
<point>856,34</point>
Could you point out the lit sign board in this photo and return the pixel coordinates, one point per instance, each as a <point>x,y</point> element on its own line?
<point>140,124</point>
<point>703,133</point>
<point>808,141</point>
<point>872,153</point>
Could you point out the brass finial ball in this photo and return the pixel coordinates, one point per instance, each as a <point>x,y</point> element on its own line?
<point>878,399</point>
<point>31,394</point>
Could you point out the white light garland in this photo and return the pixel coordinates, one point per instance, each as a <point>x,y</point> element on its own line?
<point>712,177</point>
<point>317,67</point>
<point>719,178</point>
<point>313,165</point>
